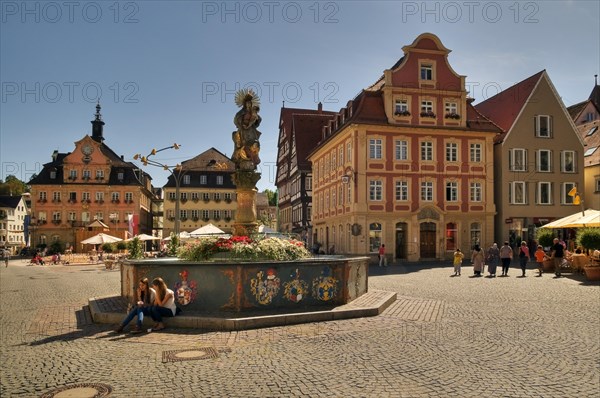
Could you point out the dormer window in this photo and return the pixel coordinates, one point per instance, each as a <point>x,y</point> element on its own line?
<point>202,180</point>
<point>426,72</point>
<point>401,107</point>
<point>52,174</point>
<point>120,176</point>
<point>186,180</point>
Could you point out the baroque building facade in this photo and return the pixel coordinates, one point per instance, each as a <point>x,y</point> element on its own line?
<point>91,183</point>
<point>406,164</point>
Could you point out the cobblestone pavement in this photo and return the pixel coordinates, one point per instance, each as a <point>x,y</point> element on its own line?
<point>443,337</point>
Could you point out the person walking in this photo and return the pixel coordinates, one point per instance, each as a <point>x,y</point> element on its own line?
<point>457,262</point>
<point>493,258</point>
<point>6,256</point>
<point>477,258</point>
<point>506,255</point>
<point>382,256</point>
<point>540,256</point>
<point>523,257</point>
<point>558,252</point>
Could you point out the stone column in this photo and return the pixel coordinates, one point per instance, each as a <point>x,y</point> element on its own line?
<point>245,217</point>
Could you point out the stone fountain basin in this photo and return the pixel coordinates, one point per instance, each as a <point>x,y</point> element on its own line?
<point>228,286</point>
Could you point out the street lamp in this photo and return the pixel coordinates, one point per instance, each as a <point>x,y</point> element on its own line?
<point>172,169</point>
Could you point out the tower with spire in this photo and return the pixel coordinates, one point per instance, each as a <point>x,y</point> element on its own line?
<point>97,125</point>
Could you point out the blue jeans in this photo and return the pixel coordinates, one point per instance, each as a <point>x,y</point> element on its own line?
<point>139,312</point>
<point>157,313</point>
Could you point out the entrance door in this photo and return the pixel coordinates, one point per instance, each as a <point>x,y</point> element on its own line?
<point>428,240</point>
<point>401,243</point>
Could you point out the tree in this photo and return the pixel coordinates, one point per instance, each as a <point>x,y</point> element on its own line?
<point>271,196</point>
<point>13,186</point>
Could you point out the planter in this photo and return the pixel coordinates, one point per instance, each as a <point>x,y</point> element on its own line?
<point>592,273</point>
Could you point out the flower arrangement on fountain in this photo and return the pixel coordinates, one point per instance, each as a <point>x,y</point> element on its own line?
<point>243,248</point>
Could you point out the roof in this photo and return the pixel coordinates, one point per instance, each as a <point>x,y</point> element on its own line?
<point>307,130</point>
<point>504,107</point>
<point>575,110</point>
<point>10,201</point>
<point>590,134</point>
<point>595,96</point>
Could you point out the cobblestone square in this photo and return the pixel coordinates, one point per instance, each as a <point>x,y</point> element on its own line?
<point>442,337</point>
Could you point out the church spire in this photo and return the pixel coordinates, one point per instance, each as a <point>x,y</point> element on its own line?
<point>97,125</point>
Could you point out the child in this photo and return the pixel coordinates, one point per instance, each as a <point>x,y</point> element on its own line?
<point>540,256</point>
<point>458,259</point>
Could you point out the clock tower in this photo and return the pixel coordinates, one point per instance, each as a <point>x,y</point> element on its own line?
<point>97,125</point>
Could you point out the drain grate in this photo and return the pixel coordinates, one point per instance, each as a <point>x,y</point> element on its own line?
<point>80,390</point>
<point>190,354</point>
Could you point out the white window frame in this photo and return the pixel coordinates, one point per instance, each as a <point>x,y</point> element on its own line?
<point>375,148</point>
<point>451,152</point>
<point>187,179</point>
<point>401,191</point>
<point>539,153</point>
<point>426,193</point>
<point>512,155</point>
<point>426,72</point>
<point>548,200</point>
<point>426,151</point>
<point>566,187</point>
<point>547,131</point>
<point>563,164</point>
<point>451,108</point>
<point>401,149</point>
<point>219,180</point>
<point>427,106</point>
<point>203,180</point>
<point>400,106</point>
<point>475,192</point>
<point>375,190</point>
<point>475,152</point>
<point>451,193</point>
<point>512,191</point>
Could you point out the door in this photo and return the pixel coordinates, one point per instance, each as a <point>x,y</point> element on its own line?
<point>401,243</point>
<point>427,240</point>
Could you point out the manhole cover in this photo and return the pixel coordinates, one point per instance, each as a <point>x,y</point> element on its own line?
<point>80,390</point>
<point>189,354</point>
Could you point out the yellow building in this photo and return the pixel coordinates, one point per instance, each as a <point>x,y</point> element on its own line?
<point>406,164</point>
<point>206,191</point>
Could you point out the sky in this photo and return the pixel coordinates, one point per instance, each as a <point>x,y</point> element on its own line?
<point>166,71</point>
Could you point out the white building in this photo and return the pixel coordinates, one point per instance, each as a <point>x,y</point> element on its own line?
<point>13,212</point>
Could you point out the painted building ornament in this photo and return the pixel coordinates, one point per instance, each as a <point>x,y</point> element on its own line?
<point>325,286</point>
<point>296,289</point>
<point>185,290</point>
<point>265,289</point>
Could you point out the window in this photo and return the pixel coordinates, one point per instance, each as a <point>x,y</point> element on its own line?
<point>99,216</point>
<point>341,157</point>
<point>544,193</point>
<point>308,183</point>
<point>544,158</point>
<point>426,106</point>
<point>99,174</point>
<point>564,195</point>
<point>375,190</point>
<point>451,152</point>
<point>227,214</point>
<point>590,151</point>
<point>333,161</point>
<point>341,196</point>
<point>42,196</point>
<point>202,180</point>
<point>427,191</point>
<point>53,174</point>
<point>452,191</point>
<point>72,216</point>
<point>99,196</point>
<point>217,197</point>
<point>129,197</point>
<point>120,176</point>
<point>73,174</point>
<point>205,215</point>
<point>517,194</point>
<point>374,237</point>
<point>56,196</point>
<point>475,192</point>
<point>85,196</point>
<point>205,196</point>
<point>172,196</point>
<point>592,131</point>
<point>475,152</point>
<point>543,126</point>
<point>349,195</point>
<point>333,197</point>
<point>401,107</point>
<point>115,196</point>
<point>114,216</point>
<point>184,196</point>
<point>349,151</point>
<point>219,180</point>
<point>56,216</point>
<point>426,72</point>
<point>87,174</point>
<point>216,214</point>
<point>375,151</point>
<point>451,236</point>
<point>517,159</point>
<point>42,216</point>
<point>228,196</point>
<point>183,214</point>
<point>72,197</point>
<point>451,108</point>
<point>597,185</point>
<point>401,190</point>
<point>475,234</point>
<point>401,149</point>
<point>427,150</point>
<point>567,161</point>
<point>186,179</point>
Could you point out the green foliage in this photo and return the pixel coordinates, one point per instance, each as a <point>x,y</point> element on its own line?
<point>173,245</point>
<point>13,186</point>
<point>589,238</point>
<point>121,245</point>
<point>136,249</point>
<point>544,236</point>
<point>271,196</point>
<point>56,247</point>
<point>108,248</point>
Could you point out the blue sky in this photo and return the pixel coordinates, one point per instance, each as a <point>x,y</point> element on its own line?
<point>166,71</point>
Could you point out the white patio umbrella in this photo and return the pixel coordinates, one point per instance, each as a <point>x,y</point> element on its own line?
<point>182,235</point>
<point>574,220</point>
<point>143,237</point>
<point>100,239</point>
<point>207,230</point>
<point>263,229</point>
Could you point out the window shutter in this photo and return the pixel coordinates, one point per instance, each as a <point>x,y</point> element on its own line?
<point>510,162</point>
<point>550,126</point>
<point>535,124</point>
